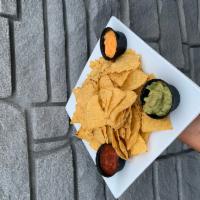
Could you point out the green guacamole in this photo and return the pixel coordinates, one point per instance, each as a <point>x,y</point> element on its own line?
<point>159,100</point>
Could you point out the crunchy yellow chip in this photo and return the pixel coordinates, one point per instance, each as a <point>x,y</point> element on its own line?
<point>128,116</point>
<point>134,80</point>
<point>83,95</point>
<point>151,76</point>
<point>94,143</point>
<point>100,64</point>
<point>149,124</point>
<point>92,139</point>
<point>135,126</point>
<point>119,78</point>
<point>128,134</point>
<point>139,147</point>
<point>95,64</point>
<point>109,131</point>
<point>84,134</point>
<point>104,131</point>
<point>122,119</point>
<point>99,135</point>
<point>105,82</point>
<point>145,136</point>
<point>119,121</point>
<point>122,145</point>
<point>78,116</point>
<point>95,117</point>
<point>105,96</point>
<point>117,96</point>
<point>115,145</point>
<point>122,133</point>
<point>128,61</point>
<point>94,75</point>
<point>128,101</point>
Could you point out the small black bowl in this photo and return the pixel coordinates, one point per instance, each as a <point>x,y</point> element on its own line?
<point>173,90</point>
<point>121,43</point>
<point>121,162</point>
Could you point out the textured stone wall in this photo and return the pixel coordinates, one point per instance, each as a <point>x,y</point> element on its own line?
<point>44,45</point>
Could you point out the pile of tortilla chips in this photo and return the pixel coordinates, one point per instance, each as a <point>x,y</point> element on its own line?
<point>108,106</point>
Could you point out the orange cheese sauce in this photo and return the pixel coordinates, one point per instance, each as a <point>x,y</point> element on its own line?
<point>110,43</point>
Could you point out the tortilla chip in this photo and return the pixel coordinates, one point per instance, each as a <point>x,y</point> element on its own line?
<point>128,134</point>
<point>83,94</point>
<point>117,96</point>
<point>150,125</point>
<point>104,131</point>
<point>84,134</point>
<point>128,101</point>
<point>99,135</point>
<point>119,121</point>
<point>135,80</point>
<point>151,76</point>
<point>94,140</point>
<point>109,132</point>
<point>119,78</point>
<point>94,143</point>
<point>122,145</point>
<point>94,75</point>
<point>100,64</point>
<point>115,145</point>
<point>105,98</point>
<point>135,126</point>
<point>105,82</point>
<point>127,61</point>
<point>128,116</point>
<point>95,117</point>
<point>122,133</point>
<point>139,147</point>
<point>145,136</point>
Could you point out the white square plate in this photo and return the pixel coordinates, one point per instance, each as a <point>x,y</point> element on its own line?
<point>188,109</point>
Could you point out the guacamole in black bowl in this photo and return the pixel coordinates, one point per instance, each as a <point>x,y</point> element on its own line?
<point>159,98</point>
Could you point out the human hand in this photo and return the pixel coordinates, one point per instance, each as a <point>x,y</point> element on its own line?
<point>191,135</point>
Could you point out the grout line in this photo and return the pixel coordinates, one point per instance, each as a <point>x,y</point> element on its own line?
<point>179,179</point>
<point>150,40</point>
<point>155,181</point>
<point>87,29</point>
<point>12,56</point>
<point>43,153</point>
<point>170,155</point>
<point>66,50</point>
<point>8,16</point>
<point>19,10</point>
<point>48,104</point>
<point>74,157</point>
<point>71,129</point>
<point>192,68</point>
<point>125,12</point>
<point>193,45</point>
<point>104,190</point>
<point>66,46</point>
<point>49,140</point>
<point>198,16</point>
<point>180,26</point>
<point>159,28</point>
<point>30,157</point>
<point>46,46</point>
